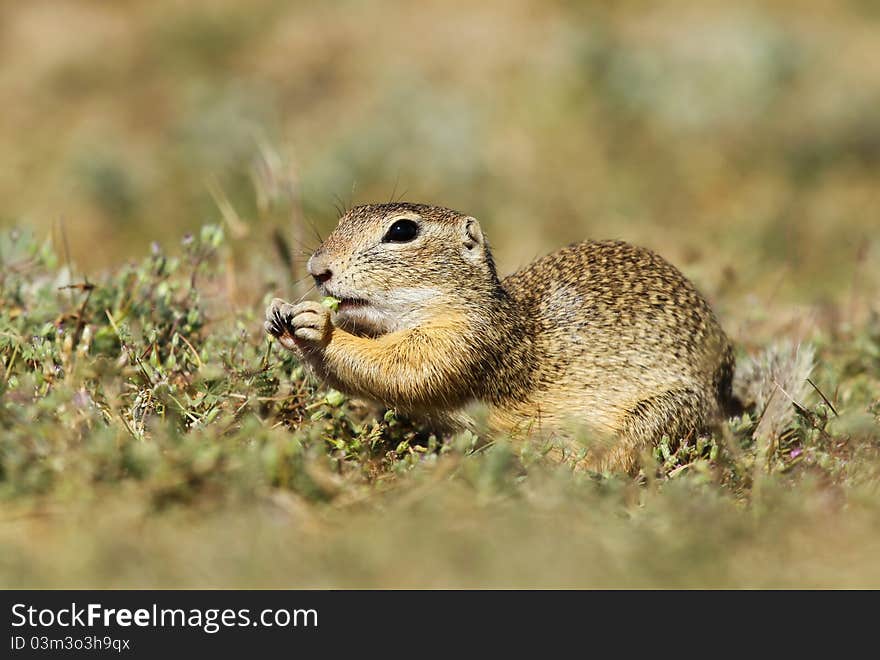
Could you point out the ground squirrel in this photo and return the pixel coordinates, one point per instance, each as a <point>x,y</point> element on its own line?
<point>603,333</point>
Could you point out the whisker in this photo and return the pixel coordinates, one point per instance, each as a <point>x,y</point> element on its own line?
<point>314,230</point>
<point>351,197</point>
<point>301,280</point>
<point>340,205</point>
<point>308,291</point>
<point>394,189</point>
<point>304,251</point>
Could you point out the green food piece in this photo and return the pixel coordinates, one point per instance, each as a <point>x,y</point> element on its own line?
<point>330,302</point>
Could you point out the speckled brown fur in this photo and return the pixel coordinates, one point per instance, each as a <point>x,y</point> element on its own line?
<point>603,335</point>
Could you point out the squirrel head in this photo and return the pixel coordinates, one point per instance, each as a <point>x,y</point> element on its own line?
<point>396,266</point>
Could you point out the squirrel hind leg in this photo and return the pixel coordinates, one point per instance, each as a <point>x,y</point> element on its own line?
<point>677,414</point>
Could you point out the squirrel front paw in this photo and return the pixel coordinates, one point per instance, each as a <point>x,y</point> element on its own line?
<point>306,325</point>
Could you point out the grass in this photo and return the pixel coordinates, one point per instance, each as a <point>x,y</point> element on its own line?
<point>150,435</point>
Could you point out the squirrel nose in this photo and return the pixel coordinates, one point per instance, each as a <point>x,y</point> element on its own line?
<point>319,269</point>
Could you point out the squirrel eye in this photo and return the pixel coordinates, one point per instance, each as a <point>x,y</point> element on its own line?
<point>401,231</point>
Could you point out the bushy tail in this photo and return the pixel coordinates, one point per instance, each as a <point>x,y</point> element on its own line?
<point>773,382</point>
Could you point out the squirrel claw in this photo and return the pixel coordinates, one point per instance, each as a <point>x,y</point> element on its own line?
<point>277,324</point>
<point>307,323</point>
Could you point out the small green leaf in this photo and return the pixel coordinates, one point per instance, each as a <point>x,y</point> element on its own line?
<point>331,303</point>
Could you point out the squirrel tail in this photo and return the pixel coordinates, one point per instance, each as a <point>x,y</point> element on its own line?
<point>774,383</point>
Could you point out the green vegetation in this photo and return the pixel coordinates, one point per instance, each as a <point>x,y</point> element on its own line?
<point>167,167</point>
<point>152,436</point>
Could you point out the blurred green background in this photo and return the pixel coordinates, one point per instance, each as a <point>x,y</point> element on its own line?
<point>741,140</point>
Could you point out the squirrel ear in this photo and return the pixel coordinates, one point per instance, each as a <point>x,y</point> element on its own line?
<point>472,235</point>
